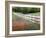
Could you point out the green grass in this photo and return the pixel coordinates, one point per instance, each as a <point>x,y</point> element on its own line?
<point>35,14</point>
<point>35,26</point>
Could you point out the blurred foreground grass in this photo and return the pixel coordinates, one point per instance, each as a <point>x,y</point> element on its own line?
<point>31,26</point>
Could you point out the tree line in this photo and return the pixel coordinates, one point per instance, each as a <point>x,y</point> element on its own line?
<point>25,10</point>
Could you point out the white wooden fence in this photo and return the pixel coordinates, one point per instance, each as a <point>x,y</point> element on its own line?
<point>34,19</point>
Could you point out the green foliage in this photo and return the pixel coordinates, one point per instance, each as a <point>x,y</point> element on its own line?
<point>25,10</point>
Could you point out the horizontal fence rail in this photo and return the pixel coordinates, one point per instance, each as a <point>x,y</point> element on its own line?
<point>36,19</point>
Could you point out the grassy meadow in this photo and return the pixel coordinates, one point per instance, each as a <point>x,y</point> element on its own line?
<point>19,22</point>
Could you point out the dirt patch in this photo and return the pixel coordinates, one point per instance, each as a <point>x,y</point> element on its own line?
<point>20,25</point>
